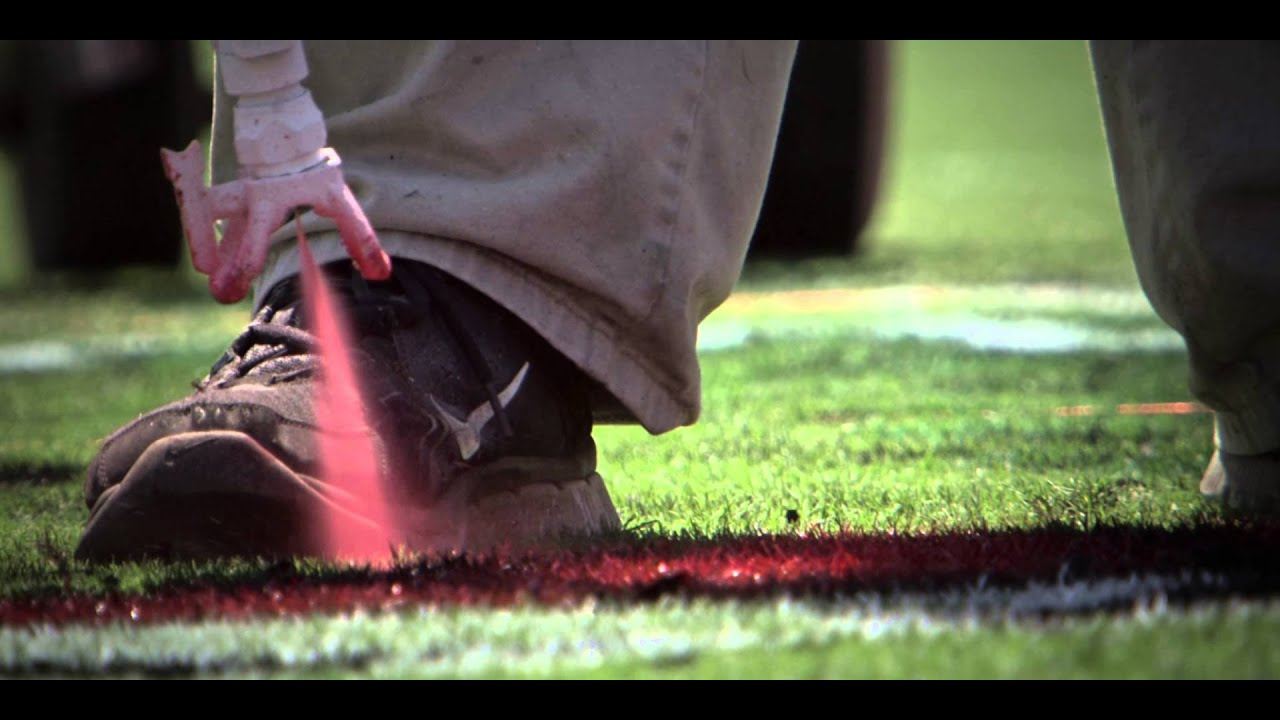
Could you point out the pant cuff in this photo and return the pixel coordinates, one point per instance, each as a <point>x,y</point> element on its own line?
<point>635,383</point>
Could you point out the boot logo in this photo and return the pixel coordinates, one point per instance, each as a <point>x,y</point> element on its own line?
<point>467,432</point>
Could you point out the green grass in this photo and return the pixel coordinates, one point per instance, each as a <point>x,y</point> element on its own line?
<point>910,435</point>
<point>997,171</point>
<point>859,410</point>
<point>849,432</point>
<point>787,639</point>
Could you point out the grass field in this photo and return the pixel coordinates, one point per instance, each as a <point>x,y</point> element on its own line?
<point>921,462</point>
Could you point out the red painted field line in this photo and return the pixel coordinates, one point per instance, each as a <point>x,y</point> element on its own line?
<point>754,567</point>
<point>1165,408</point>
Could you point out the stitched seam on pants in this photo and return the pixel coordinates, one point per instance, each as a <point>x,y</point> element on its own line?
<point>671,215</point>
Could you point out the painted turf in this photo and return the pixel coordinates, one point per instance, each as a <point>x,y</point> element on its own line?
<point>876,581</point>
<point>977,316</point>
<point>767,314</point>
<point>670,636</point>
<point>1198,564</point>
<point>1014,318</point>
<point>666,603</point>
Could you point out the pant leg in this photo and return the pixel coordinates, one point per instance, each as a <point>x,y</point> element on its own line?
<point>604,192</point>
<point>1194,132</point>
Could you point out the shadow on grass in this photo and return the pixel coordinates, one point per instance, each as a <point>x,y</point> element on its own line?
<point>1036,573</point>
<point>158,286</point>
<point>14,472</point>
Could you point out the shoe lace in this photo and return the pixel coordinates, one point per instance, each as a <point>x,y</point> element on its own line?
<point>371,310</point>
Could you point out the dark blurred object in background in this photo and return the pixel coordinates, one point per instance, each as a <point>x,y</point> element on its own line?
<point>86,120</point>
<point>826,169</point>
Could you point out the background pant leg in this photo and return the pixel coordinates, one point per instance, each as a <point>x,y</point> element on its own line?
<point>1194,132</point>
<point>605,192</point>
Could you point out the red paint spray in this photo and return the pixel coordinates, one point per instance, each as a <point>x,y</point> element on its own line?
<point>347,459</point>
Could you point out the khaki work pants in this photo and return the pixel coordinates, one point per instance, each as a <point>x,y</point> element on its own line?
<point>605,193</point>
<point>1194,132</point>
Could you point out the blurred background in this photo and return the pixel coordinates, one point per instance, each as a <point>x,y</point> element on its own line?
<point>958,335</point>
<point>910,161</point>
<point>997,167</point>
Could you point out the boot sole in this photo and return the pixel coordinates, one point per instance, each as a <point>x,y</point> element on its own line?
<point>214,494</point>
